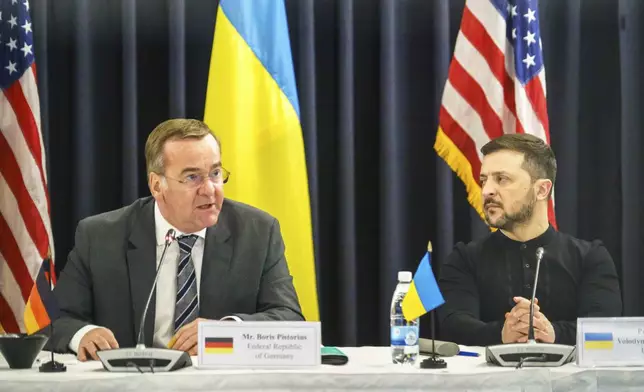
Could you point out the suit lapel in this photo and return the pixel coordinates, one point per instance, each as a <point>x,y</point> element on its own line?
<point>141,262</point>
<point>217,255</point>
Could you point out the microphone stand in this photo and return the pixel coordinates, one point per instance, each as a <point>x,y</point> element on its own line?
<point>52,366</point>
<point>142,358</point>
<point>531,338</point>
<point>530,353</point>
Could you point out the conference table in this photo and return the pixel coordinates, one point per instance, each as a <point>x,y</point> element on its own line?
<point>369,368</point>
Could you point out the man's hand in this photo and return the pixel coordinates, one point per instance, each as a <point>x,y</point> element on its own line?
<point>520,319</point>
<point>508,334</point>
<point>94,340</point>
<point>186,337</point>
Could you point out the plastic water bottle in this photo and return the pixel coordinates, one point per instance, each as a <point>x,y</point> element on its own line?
<point>404,334</point>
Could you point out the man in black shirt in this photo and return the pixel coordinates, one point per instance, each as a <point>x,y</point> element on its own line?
<point>487,284</point>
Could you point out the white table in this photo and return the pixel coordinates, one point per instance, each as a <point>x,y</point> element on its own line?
<point>369,368</point>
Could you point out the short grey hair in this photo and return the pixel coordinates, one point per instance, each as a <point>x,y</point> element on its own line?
<point>173,129</point>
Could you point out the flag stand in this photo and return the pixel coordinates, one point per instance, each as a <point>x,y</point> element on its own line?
<point>52,366</point>
<point>433,362</point>
<point>423,271</point>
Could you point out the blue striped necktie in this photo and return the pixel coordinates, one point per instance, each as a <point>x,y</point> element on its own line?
<point>187,306</point>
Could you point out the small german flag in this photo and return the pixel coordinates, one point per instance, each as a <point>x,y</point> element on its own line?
<point>219,346</point>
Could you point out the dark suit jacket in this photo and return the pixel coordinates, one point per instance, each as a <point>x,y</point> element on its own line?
<point>110,271</point>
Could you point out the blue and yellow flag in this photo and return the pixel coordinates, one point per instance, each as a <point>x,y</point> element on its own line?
<point>598,340</point>
<point>423,295</point>
<point>252,106</point>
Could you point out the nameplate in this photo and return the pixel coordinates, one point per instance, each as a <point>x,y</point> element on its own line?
<point>258,344</point>
<point>610,341</point>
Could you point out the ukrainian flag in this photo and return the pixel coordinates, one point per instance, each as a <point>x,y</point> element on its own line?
<point>252,106</point>
<point>423,295</point>
<point>598,340</point>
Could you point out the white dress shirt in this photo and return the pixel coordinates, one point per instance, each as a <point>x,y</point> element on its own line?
<point>166,290</point>
<point>166,297</point>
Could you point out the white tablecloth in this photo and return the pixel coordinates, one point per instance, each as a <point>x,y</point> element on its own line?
<point>369,368</point>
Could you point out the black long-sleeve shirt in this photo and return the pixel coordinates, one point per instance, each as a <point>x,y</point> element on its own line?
<point>576,279</point>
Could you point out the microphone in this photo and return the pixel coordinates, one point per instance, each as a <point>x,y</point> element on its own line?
<point>539,255</point>
<point>142,358</point>
<point>169,238</point>
<point>532,353</point>
<point>438,347</point>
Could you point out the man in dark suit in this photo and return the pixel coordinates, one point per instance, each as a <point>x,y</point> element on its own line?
<point>227,261</point>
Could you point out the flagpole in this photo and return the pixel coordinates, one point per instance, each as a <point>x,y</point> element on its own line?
<point>52,366</point>
<point>433,322</point>
<point>431,315</point>
<point>433,362</point>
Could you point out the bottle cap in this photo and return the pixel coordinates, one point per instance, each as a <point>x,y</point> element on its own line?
<point>404,276</point>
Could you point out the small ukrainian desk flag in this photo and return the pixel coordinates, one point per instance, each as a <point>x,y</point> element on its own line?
<point>598,341</point>
<point>423,295</point>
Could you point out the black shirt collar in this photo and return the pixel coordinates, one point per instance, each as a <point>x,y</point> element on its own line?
<point>542,240</point>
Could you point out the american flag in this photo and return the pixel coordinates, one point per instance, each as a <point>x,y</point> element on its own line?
<point>496,84</point>
<point>26,244</point>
